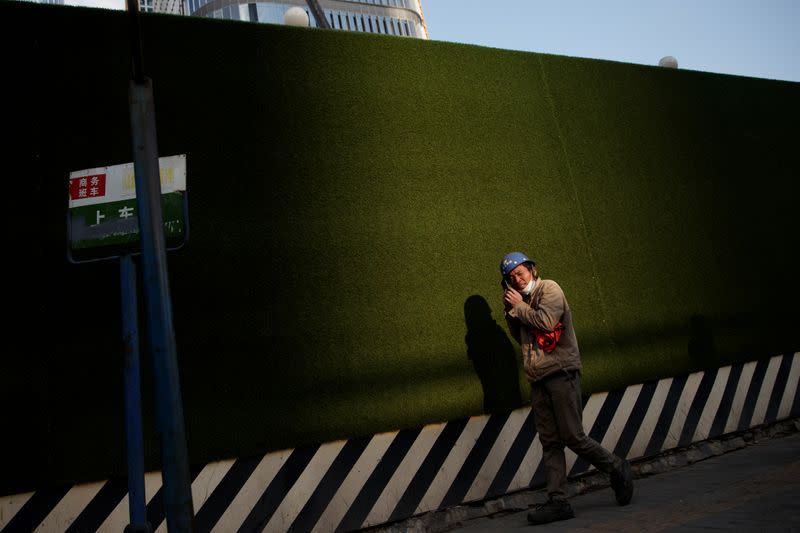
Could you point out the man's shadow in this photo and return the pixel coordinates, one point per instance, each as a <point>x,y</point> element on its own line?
<point>493,356</point>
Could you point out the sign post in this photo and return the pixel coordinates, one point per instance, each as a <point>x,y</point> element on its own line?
<point>103,223</point>
<point>137,506</point>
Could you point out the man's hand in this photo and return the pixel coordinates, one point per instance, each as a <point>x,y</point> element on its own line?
<point>511,297</point>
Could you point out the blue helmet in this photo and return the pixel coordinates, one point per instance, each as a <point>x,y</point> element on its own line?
<point>510,262</point>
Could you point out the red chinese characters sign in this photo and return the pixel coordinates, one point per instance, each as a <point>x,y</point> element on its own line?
<point>103,221</point>
<point>93,186</point>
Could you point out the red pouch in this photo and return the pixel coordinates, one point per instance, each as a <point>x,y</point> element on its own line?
<point>547,340</point>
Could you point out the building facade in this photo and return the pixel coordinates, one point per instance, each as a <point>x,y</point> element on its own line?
<point>173,7</point>
<point>51,2</point>
<point>391,17</point>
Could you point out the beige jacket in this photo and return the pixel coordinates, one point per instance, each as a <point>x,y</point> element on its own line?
<point>543,309</point>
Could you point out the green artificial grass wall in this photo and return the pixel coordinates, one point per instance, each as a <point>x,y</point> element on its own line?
<point>350,198</point>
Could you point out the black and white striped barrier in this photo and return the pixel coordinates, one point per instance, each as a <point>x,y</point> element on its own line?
<point>353,484</point>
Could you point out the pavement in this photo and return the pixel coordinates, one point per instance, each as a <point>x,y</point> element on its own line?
<point>753,488</point>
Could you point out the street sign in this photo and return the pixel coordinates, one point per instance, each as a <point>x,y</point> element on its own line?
<point>102,221</point>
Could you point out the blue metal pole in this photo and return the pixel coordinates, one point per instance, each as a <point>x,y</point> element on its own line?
<point>133,400</point>
<point>177,493</point>
<point>161,335</point>
<point>319,15</point>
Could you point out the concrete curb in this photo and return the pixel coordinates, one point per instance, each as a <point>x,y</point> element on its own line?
<point>453,517</point>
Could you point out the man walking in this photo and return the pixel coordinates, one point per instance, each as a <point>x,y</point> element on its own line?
<point>540,320</point>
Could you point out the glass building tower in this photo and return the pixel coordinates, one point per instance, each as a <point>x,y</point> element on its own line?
<point>390,17</point>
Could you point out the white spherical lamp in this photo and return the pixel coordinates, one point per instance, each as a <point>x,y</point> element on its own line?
<point>668,62</point>
<point>295,16</point>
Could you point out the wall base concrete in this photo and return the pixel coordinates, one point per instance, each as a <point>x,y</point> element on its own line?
<point>451,518</point>
<point>447,472</point>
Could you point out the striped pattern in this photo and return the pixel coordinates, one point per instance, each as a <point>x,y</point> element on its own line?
<point>348,485</point>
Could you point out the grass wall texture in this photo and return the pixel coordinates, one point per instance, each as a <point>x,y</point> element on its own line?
<point>350,198</point>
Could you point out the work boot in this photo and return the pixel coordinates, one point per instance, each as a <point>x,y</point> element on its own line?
<point>551,511</point>
<point>622,483</point>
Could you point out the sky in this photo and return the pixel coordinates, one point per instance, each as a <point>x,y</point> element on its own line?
<point>758,38</point>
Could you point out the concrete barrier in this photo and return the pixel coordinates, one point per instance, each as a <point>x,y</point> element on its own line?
<point>346,223</point>
<point>353,484</point>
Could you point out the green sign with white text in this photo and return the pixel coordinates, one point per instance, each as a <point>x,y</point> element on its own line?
<point>103,220</point>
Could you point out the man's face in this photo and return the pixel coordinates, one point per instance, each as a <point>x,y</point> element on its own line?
<point>520,277</point>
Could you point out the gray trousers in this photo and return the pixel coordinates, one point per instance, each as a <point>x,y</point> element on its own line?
<point>558,410</point>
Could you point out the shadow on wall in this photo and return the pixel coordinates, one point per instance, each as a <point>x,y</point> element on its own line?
<point>493,356</point>
<point>701,339</point>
